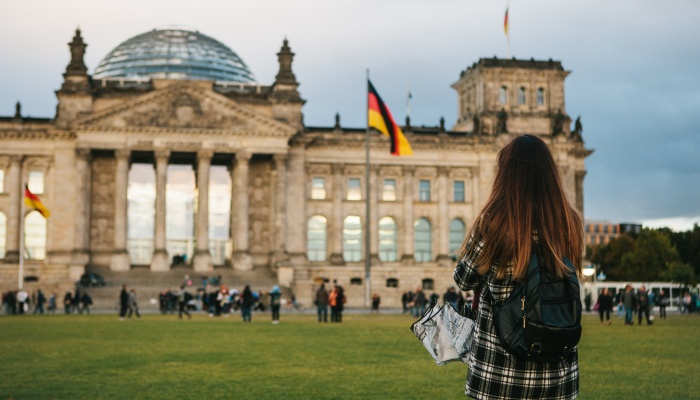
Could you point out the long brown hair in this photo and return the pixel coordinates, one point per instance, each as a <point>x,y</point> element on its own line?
<point>527,197</point>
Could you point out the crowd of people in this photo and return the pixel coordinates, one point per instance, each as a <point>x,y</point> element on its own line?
<point>21,301</point>
<point>416,302</point>
<point>631,303</point>
<point>335,300</point>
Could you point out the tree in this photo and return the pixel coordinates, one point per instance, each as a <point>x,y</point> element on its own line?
<point>609,257</point>
<point>680,272</point>
<point>688,245</point>
<point>650,258</point>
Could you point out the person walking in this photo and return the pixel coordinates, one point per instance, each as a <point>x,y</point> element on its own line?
<point>247,302</point>
<point>85,303</point>
<point>604,306</point>
<point>182,303</point>
<point>133,304</point>
<point>663,303</point>
<point>275,303</point>
<point>528,198</point>
<point>322,303</point>
<point>52,304</point>
<point>629,301</point>
<point>123,302</point>
<point>67,302</point>
<point>40,300</point>
<point>419,303</point>
<point>643,305</point>
<point>23,301</point>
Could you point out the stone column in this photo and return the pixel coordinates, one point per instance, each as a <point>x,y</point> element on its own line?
<point>120,256</point>
<point>443,225</point>
<point>202,257</point>
<point>374,214</point>
<point>81,252</point>
<point>241,257</point>
<point>408,172</point>
<point>14,219</point>
<point>336,222</point>
<point>280,207</point>
<point>160,260</point>
<point>474,193</point>
<point>296,200</point>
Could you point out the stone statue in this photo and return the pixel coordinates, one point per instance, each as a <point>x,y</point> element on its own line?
<point>476,125</point>
<point>442,124</point>
<point>578,129</point>
<point>558,123</point>
<point>18,110</point>
<point>337,121</point>
<point>502,125</point>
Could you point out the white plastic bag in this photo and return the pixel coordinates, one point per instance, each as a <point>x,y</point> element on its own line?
<point>445,333</point>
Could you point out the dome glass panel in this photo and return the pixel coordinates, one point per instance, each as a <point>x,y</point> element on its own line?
<point>174,54</point>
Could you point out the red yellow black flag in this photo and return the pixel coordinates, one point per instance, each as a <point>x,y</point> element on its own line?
<point>379,117</point>
<point>32,201</point>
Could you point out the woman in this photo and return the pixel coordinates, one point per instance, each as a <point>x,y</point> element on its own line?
<point>604,306</point>
<point>247,301</point>
<point>527,211</point>
<point>275,303</point>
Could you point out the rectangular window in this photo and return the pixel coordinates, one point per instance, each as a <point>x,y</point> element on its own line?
<point>459,191</point>
<point>540,96</point>
<point>389,192</point>
<point>36,182</point>
<point>354,189</point>
<point>318,188</point>
<point>424,190</point>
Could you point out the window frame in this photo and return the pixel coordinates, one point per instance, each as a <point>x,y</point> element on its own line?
<point>322,179</point>
<point>348,187</point>
<point>421,191</point>
<point>454,191</point>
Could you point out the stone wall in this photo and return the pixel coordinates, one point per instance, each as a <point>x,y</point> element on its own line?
<point>102,210</point>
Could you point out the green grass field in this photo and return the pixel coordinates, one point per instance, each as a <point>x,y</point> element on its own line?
<point>367,357</point>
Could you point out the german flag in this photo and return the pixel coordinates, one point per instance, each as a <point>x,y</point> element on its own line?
<point>32,201</point>
<point>379,118</point>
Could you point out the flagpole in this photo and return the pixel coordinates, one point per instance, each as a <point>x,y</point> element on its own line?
<point>20,274</point>
<point>368,261</point>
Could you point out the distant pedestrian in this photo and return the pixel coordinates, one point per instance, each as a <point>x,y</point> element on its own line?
<point>85,303</point>
<point>52,304</point>
<point>643,305</point>
<point>40,300</point>
<point>182,298</point>
<point>450,297</point>
<point>419,303</point>
<point>604,306</point>
<point>275,303</point>
<point>247,302</point>
<point>133,304</point>
<point>22,301</point>
<point>67,302</point>
<point>321,303</point>
<point>376,300</point>
<point>123,302</point>
<point>663,302</point>
<point>629,301</point>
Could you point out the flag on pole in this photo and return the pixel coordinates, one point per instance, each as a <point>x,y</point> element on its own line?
<point>34,203</point>
<point>506,27</point>
<point>379,117</point>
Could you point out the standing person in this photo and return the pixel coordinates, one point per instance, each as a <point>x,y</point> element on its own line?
<point>604,306</point>
<point>340,303</point>
<point>85,303</point>
<point>133,304</point>
<point>528,198</point>
<point>404,303</point>
<point>643,305</point>
<point>275,303</point>
<point>40,300</point>
<point>247,302</point>
<point>375,303</point>
<point>333,303</point>
<point>322,303</point>
<point>52,304</point>
<point>419,303</point>
<point>123,302</point>
<point>182,303</point>
<point>629,301</point>
<point>663,303</point>
<point>450,297</point>
<point>67,302</point>
<point>22,301</point>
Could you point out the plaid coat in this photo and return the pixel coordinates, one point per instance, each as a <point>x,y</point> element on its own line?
<point>493,372</point>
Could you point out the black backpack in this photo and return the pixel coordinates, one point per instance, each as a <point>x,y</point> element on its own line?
<point>541,319</point>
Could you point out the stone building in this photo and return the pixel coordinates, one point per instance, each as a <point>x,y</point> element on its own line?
<point>295,196</point>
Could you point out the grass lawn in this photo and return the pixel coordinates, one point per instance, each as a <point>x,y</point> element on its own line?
<point>367,357</point>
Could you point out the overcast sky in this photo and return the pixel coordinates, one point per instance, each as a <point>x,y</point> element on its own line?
<point>634,66</point>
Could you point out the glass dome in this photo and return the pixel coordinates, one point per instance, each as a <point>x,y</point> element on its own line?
<point>174,54</point>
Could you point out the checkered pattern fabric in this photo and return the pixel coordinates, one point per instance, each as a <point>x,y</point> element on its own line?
<point>493,372</point>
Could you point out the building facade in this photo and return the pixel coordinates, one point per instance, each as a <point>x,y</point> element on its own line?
<point>295,197</point>
<point>600,232</point>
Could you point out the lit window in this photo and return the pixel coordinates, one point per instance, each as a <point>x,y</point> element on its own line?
<point>389,192</point>
<point>503,95</point>
<point>354,191</point>
<point>318,188</point>
<point>521,96</point>
<point>35,236</point>
<point>36,182</point>
<point>316,238</point>
<point>387,239</point>
<point>352,239</point>
<point>422,241</point>
<point>457,233</point>
<point>424,190</point>
<point>540,96</point>
<point>459,191</point>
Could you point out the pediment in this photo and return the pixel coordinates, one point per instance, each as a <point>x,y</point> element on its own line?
<point>182,107</point>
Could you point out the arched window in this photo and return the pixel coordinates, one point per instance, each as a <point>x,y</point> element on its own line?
<point>35,236</point>
<point>392,282</point>
<point>457,233</point>
<point>503,95</point>
<point>387,240</point>
<point>428,284</point>
<point>521,96</point>
<point>540,96</point>
<point>352,238</point>
<point>3,234</point>
<point>422,250</point>
<point>316,238</point>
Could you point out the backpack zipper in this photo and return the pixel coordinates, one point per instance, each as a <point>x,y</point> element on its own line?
<point>522,308</point>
